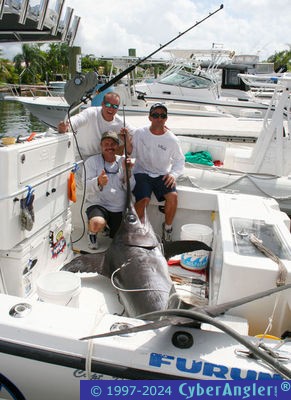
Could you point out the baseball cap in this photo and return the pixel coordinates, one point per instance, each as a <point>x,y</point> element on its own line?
<point>158,105</point>
<point>110,135</point>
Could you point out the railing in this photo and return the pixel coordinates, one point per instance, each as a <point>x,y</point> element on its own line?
<point>30,90</point>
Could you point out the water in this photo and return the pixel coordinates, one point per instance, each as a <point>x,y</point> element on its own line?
<point>15,120</point>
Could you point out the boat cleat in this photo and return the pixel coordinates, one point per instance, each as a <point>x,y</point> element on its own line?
<point>278,355</point>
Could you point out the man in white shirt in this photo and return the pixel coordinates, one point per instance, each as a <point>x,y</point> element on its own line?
<point>105,188</point>
<point>159,161</point>
<point>92,122</point>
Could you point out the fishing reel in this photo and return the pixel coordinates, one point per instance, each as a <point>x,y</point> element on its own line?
<point>80,88</point>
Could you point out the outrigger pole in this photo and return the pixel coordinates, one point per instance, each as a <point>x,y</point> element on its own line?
<point>132,67</point>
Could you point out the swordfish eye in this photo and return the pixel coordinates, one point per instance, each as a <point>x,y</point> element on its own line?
<point>131,218</point>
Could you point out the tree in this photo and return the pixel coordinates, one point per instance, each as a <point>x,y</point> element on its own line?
<point>281,59</point>
<point>57,60</point>
<point>30,63</point>
<point>7,72</point>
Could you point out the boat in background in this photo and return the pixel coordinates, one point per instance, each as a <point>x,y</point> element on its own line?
<point>208,77</point>
<point>185,87</point>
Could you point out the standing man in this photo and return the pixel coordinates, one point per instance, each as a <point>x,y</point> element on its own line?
<point>159,161</point>
<point>92,122</point>
<point>105,188</point>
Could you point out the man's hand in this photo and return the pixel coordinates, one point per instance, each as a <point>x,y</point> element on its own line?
<point>169,180</point>
<point>102,179</point>
<point>129,164</point>
<point>126,138</point>
<point>63,127</point>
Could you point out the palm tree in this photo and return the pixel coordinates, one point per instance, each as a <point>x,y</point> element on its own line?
<point>30,64</point>
<point>57,59</point>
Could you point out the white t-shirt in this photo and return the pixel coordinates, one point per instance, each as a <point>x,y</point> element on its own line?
<point>90,125</point>
<point>157,154</point>
<point>113,195</point>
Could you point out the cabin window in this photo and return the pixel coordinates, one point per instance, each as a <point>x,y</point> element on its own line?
<point>183,79</point>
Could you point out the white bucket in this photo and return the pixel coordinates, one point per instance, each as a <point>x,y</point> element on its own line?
<point>61,287</point>
<point>196,260</point>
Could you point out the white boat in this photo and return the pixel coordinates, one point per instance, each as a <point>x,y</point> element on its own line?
<point>51,109</point>
<point>210,77</point>
<point>41,323</point>
<point>43,316</point>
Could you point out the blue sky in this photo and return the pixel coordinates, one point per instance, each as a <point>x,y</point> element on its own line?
<point>112,27</point>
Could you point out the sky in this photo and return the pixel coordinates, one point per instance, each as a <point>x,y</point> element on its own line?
<point>111,27</point>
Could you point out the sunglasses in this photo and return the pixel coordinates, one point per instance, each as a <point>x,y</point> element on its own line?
<point>109,105</point>
<point>157,115</point>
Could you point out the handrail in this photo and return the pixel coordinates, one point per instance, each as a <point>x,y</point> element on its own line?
<point>34,90</point>
<point>42,181</point>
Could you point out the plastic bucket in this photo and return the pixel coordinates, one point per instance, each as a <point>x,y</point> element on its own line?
<point>61,287</point>
<point>196,260</point>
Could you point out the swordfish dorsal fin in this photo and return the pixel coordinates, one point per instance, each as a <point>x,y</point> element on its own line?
<point>183,246</point>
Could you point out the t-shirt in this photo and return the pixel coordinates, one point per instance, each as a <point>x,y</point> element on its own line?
<point>90,125</point>
<point>113,195</point>
<point>157,154</point>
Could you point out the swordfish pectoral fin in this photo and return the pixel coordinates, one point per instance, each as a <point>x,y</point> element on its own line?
<point>183,246</point>
<point>93,262</point>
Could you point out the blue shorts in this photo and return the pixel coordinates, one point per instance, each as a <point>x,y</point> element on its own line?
<point>145,185</point>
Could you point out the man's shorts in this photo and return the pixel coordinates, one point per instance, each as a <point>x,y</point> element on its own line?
<point>145,185</point>
<point>113,219</point>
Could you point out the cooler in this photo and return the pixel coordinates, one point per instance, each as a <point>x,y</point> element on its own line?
<point>46,251</point>
<point>43,164</point>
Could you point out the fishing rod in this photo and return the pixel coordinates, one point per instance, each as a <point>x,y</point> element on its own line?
<point>132,67</point>
<point>126,157</point>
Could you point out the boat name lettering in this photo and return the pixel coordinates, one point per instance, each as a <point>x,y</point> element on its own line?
<point>226,389</point>
<point>80,373</point>
<point>207,369</point>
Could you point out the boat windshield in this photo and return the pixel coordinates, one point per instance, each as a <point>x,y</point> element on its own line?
<point>242,228</point>
<point>186,80</point>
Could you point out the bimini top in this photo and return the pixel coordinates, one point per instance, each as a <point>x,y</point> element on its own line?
<point>21,22</point>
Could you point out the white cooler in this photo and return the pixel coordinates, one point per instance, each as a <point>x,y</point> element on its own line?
<point>45,252</point>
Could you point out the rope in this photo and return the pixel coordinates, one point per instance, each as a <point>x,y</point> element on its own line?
<point>282,275</point>
<point>270,319</point>
<point>250,177</point>
<point>132,290</point>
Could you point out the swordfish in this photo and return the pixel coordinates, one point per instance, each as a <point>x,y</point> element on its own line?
<point>136,265</point>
